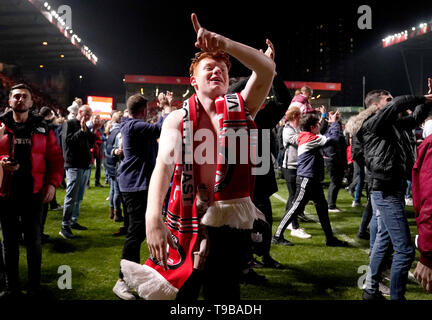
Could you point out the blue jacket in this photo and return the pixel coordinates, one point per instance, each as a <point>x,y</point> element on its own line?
<point>310,158</point>
<point>140,150</point>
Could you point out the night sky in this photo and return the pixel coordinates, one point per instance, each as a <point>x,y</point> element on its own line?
<point>157,37</point>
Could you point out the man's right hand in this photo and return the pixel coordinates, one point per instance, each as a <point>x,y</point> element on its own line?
<point>158,236</point>
<point>83,124</point>
<point>423,274</point>
<point>333,116</point>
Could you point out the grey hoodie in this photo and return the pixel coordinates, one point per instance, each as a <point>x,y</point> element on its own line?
<point>289,137</point>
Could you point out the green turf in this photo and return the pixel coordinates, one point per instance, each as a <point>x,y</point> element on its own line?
<point>312,270</point>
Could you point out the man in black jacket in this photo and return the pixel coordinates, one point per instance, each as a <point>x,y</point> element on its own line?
<point>77,140</point>
<point>335,162</point>
<point>389,158</point>
<point>265,185</point>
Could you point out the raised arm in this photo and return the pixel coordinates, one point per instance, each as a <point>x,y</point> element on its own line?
<point>170,140</point>
<point>262,67</point>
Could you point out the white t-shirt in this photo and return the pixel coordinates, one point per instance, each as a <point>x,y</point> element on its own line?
<point>427,129</point>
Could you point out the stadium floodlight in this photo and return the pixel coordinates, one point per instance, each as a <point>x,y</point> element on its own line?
<point>53,13</point>
<point>46,4</point>
<point>49,7</point>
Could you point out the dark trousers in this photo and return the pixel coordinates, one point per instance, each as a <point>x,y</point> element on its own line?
<point>52,204</point>
<point>336,173</point>
<point>98,163</point>
<point>367,213</point>
<point>220,278</point>
<point>136,206</point>
<point>125,214</point>
<point>307,189</point>
<point>290,176</point>
<point>264,205</point>
<point>30,213</point>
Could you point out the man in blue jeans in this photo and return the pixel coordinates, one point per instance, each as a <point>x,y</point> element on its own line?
<point>389,158</point>
<point>77,140</point>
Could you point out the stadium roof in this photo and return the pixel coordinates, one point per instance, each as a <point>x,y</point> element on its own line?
<point>416,37</point>
<point>32,35</point>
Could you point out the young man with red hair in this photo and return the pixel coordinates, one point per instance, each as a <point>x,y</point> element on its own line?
<point>230,209</point>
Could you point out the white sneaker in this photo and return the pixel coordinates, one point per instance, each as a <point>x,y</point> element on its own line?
<point>335,210</point>
<point>290,227</point>
<point>408,202</point>
<point>122,291</point>
<point>300,233</point>
<point>384,289</point>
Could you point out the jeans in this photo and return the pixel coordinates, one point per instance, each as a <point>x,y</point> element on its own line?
<point>367,218</point>
<point>392,228</point>
<point>76,180</point>
<point>360,183</point>
<point>114,195</point>
<point>30,212</point>
<point>408,189</point>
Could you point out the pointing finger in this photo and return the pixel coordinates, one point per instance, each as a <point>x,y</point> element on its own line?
<point>195,22</point>
<point>270,44</point>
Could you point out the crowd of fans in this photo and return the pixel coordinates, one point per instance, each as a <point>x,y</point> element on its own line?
<point>374,151</point>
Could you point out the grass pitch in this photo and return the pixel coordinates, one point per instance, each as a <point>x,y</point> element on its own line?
<point>312,270</point>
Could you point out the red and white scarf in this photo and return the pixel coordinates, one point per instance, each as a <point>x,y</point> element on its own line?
<point>232,199</point>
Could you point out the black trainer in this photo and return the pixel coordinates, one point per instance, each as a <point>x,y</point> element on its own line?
<point>281,241</point>
<point>254,263</point>
<point>372,296</point>
<point>269,262</point>
<point>363,235</point>
<point>302,217</point>
<point>253,278</point>
<point>77,226</point>
<point>67,233</point>
<point>335,242</point>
